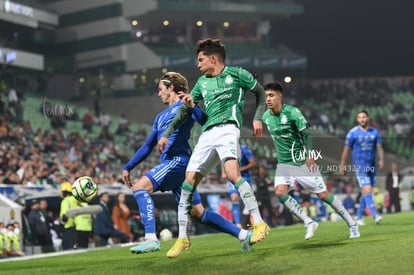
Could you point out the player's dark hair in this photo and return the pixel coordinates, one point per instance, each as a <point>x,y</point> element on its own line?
<point>211,46</point>
<point>178,80</point>
<point>274,86</point>
<point>363,111</point>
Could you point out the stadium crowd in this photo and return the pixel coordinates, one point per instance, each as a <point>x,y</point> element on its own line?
<point>389,102</point>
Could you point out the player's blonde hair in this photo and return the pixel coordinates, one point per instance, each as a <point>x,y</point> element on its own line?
<point>179,82</point>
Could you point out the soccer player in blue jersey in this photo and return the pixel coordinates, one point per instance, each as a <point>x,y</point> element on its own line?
<point>247,162</point>
<point>169,175</point>
<point>364,142</point>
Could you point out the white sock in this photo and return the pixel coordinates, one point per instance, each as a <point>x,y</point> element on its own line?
<point>249,200</point>
<point>151,236</point>
<point>295,208</point>
<point>340,209</point>
<point>242,235</point>
<point>183,214</point>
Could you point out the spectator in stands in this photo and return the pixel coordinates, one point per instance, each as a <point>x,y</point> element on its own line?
<point>121,214</point>
<point>123,125</point>
<point>102,163</point>
<point>56,231</point>
<point>12,98</point>
<point>40,231</point>
<point>224,208</point>
<point>103,224</point>
<point>104,120</point>
<point>97,105</point>
<point>392,183</point>
<point>11,177</point>
<point>88,121</point>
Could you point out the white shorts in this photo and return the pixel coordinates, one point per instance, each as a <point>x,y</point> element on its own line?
<point>215,145</point>
<point>287,174</point>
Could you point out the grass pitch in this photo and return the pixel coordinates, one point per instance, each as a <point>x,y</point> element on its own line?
<point>386,248</point>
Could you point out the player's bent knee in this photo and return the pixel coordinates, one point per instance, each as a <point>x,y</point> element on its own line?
<point>323,195</point>
<point>280,191</point>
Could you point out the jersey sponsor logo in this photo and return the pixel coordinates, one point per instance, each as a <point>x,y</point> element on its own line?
<point>204,84</point>
<point>224,96</point>
<point>227,89</point>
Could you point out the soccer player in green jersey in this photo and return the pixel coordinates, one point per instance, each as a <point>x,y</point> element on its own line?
<point>293,141</point>
<point>222,90</point>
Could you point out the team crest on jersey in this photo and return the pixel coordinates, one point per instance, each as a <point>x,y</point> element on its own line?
<point>283,119</point>
<point>204,93</point>
<point>228,80</point>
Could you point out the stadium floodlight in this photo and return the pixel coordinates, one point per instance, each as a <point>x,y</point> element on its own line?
<point>287,79</point>
<point>134,22</point>
<point>199,23</point>
<point>226,24</point>
<point>165,23</point>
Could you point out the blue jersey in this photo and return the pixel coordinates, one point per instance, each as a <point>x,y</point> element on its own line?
<point>246,156</point>
<point>364,147</point>
<point>178,144</point>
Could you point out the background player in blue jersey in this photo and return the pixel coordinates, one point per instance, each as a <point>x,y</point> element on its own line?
<point>364,142</point>
<point>247,162</point>
<point>169,175</point>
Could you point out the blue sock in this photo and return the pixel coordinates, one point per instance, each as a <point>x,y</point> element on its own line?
<point>371,205</point>
<point>235,207</point>
<point>146,209</point>
<point>361,208</point>
<point>219,223</point>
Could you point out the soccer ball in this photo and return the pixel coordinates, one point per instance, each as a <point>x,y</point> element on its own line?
<point>84,189</point>
<point>166,234</point>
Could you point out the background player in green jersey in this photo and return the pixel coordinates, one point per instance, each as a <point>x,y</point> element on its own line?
<point>293,142</point>
<point>222,90</point>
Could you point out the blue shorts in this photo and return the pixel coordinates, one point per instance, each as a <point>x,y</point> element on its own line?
<point>170,175</point>
<point>366,178</point>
